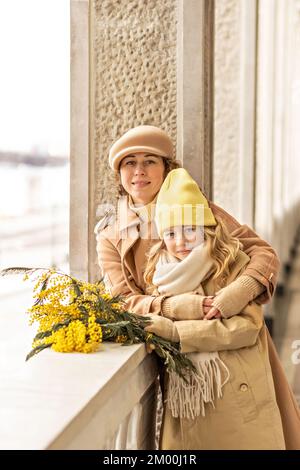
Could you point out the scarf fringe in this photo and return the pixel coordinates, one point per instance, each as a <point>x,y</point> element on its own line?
<point>188,399</point>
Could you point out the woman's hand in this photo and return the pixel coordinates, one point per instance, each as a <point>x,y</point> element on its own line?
<point>209,311</point>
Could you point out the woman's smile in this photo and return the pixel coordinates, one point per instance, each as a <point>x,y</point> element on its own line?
<point>141,184</point>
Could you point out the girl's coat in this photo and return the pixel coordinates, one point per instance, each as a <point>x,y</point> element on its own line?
<point>247,416</point>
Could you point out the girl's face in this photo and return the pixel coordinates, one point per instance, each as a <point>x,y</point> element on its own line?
<point>142,175</point>
<point>182,239</point>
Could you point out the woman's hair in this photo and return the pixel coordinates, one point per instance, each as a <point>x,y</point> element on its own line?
<point>168,164</point>
<point>222,248</point>
<point>152,259</point>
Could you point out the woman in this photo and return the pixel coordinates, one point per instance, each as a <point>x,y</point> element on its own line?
<point>141,159</point>
<point>230,403</point>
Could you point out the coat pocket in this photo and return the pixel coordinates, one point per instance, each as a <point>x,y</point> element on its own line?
<point>242,389</point>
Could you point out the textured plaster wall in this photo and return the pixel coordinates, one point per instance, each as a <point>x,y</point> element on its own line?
<point>134,74</point>
<point>226,104</point>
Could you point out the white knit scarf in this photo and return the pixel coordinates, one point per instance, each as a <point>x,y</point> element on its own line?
<point>172,276</point>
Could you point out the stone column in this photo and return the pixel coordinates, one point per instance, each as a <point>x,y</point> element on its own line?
<point>80,193</point>
<point>195,50</point>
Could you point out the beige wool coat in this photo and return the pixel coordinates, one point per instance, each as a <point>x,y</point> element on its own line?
<point>247,416</point>
<point>122,258</point>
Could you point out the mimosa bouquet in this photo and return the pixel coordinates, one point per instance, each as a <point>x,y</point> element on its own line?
<point>77,316</point>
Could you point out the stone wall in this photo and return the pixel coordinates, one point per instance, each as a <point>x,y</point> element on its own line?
<point>134,57</point>
<point>133,82</point>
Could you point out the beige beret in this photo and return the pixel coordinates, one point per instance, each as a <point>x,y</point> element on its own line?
<point>141,139</point>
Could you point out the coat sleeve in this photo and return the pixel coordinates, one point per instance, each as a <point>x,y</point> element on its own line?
<point>264,263</point>
<point>110,264</point>
<point>236,332</point>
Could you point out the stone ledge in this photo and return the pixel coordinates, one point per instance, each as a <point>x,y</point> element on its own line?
<point>59,401</point>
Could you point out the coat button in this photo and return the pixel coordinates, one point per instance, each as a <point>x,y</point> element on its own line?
<point>243,387</point>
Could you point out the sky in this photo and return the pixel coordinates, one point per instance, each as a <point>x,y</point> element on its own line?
<point>34,76</point>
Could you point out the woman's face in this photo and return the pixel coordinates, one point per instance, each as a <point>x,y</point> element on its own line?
<point>142,175</point>
<point>182,239</point>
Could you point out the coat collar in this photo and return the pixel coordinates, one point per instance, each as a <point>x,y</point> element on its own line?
<point>132,225</point>
<point>239,264</point>
<point>125,216</point>
<point>128,226</point>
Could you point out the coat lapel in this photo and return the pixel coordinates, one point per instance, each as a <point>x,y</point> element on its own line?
<point>128,231</point>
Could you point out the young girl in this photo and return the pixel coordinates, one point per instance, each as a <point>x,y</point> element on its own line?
<point>230,403</point>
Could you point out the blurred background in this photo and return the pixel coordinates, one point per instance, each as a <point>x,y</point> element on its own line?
<point>34,137</point>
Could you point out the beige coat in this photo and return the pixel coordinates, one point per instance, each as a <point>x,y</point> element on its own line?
<point>247,416</point>
<point>122,257</point>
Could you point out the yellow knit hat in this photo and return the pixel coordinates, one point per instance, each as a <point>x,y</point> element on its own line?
<point>180,202</point>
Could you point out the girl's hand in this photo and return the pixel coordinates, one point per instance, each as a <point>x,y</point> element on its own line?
<point>209,311</point>
<point>163,327</point>
<point>150,347</point>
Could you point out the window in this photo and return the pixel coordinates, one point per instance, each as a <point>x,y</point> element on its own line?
<point>34,138</point>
